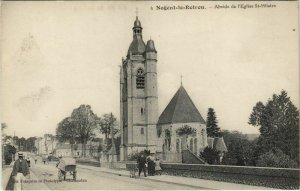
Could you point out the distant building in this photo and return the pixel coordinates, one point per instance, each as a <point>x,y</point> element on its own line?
<point>62,149</point>
<point>46,144</point>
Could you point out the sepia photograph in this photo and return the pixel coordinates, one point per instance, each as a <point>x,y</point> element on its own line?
<point>149,95</point>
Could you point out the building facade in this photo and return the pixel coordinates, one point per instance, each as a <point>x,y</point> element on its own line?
<point>138,95</point>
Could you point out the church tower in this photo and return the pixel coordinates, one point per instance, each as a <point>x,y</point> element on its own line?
<point>138,96</point>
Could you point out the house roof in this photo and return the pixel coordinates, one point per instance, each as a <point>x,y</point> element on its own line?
<point>181,109</point>
<point>210,142</point>
<point>219,144</point>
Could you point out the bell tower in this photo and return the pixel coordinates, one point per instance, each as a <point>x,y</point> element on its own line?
<point>138,96</point>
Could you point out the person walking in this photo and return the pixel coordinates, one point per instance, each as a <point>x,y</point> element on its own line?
<point>20,171</point>
<point>157,167</point>
<point>141,161</point>
<point>151,164</point>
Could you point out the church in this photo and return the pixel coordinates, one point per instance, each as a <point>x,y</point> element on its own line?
<point>141,126</point>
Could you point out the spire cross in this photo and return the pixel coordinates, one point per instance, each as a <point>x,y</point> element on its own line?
<point>137,12</point>
<point>181,79</point>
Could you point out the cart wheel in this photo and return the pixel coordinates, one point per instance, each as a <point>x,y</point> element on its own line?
<point>59,175</point>
<point>74,175</point>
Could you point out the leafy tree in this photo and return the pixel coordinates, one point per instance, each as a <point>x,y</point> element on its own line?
<point>276,158</point>
<point>212,124</point>
<point>9,151</point>
<point>30,142</point>
<point>66,132</point>
<point>240,149</point>
<point>117,142</point>
<point>185,132</point>
<point>278,122</point>
<point>210,155</point>
<point>107,122</point>
<point>85,122</point>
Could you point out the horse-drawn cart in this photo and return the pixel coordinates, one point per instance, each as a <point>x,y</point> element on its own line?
<point>65,166</point>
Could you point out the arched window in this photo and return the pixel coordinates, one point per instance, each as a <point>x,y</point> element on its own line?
<point>177,145</point>
<point>168,139</point>
<point>140,79</point>
<point>202,137</point>
<point>195,145</point>
<point>191,144</point>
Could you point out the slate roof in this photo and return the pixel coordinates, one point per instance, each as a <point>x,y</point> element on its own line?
<point>150,46</point>
<point>137,47</point>
<point>217,143</point>
<point>181,109</point>
<point>210,142</point>
<point>137,23</point>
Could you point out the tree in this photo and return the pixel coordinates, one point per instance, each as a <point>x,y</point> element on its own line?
<point>30,144</point>
<point>107,122</point>
<point>66,132</point>
<point>240,149</point>
<point>185,132</point>
<point>85,122</point>
<point>9,151</point>
<point>278,122</point>
<point>210,155</point>
<point>212,124</point>
<point>276,158</point>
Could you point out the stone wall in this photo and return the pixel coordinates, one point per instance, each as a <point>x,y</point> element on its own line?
<point>259,176</point>
<point>88,163</point>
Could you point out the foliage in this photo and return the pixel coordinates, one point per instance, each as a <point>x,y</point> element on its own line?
<point>79,127</point>
<point>278,122</point>
<point>85,122</point>
<point>9,151</point>
<point>117,142</point>
<point>66,131</point>
<point>276,158</point>
<point>30,144</point>
<point>186,130</point>
<point>240,149</point>
<point>212,124</point>
<point>107,122</point>
<point>133,156</point>
<point>210,155</point>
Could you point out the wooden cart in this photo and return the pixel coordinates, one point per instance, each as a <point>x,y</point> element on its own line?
<point>66,166</point>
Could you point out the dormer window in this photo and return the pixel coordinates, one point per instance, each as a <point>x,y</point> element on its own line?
<point>140,79</point>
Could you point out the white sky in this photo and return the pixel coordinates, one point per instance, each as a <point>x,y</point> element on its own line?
<point>58,55</point>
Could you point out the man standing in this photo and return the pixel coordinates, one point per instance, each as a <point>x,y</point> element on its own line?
<point>141,161</point>
<point>20,170</point>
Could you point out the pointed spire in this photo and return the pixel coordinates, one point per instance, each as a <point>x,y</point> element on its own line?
<point>181,79</point>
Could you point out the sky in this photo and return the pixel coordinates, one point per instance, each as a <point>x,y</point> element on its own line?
<point>59,55</point>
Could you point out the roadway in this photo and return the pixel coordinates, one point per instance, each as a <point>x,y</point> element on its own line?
<point>88,179</point>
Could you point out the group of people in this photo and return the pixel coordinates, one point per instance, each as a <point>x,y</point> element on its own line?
<point>150,163</point>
